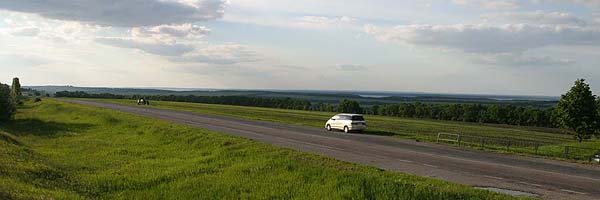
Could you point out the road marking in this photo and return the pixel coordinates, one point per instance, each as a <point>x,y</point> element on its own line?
<point>493,177</point>
<point>533,184</point>
<point>406,161</point>
<point>430,165</point>
<point>571,191</point>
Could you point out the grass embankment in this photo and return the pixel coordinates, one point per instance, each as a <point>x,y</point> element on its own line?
<point>56,150</point>
<point>552,140</point>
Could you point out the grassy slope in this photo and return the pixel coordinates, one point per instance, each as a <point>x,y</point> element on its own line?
<point>65,151</point>
<point>399,127</point>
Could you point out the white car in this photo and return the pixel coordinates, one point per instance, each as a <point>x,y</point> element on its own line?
<point>346,122</point>
<point>596,158</point>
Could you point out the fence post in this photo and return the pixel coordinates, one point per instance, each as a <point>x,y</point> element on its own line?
<point>438,138</point>
<point>508,145</point>
<point>537,145</point>
<point>459,140</point>
<point>566,152</point>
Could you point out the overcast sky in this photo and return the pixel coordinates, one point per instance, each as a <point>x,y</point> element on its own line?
<point>529,47</point>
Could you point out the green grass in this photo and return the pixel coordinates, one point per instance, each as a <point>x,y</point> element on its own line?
<point>552,139</point>
<point>378,124</point>
<point>56,150</point>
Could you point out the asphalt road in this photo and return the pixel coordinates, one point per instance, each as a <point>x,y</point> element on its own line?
<point>547,178</point>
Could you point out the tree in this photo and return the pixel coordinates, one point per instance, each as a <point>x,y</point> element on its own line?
<point>7,105</point>
<point>349,106</point>
<point>579,111</point>
<point>375,109</point>
<point>16,91</point>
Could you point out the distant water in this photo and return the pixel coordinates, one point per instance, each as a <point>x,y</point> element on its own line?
<point>372,96</point>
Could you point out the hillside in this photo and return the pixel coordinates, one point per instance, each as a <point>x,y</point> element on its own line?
<point>66,151</point>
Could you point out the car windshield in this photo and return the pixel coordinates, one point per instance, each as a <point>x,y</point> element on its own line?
<point>358,118</point>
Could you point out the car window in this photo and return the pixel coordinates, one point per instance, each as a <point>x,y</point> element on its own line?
<point>336,117</point>
<point>358,118</point>
<point>344,117</point>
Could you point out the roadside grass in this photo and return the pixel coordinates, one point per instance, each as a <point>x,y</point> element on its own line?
<point>378,124</point>
<point>57,150</point>
<point>552,140</point>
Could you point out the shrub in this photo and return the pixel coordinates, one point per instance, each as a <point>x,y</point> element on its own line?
<point>16,91</point>
<point>7,104</point>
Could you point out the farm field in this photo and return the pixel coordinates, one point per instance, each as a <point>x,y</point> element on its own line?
<point>551,139</point>
<point>57,150</point>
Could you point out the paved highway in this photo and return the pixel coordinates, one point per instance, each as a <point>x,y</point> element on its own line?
<point>547,178</point>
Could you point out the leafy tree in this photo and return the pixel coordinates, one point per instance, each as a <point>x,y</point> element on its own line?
<point>349,106</point>
<point>471,112</point>
<point>375,109</point>
<point>579,111</point>
<point>7,105</point>
<point>407,110</point>
<point>16,91</point>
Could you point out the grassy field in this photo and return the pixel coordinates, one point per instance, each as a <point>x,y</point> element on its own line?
<point>552,139</point>
<point>56,150</point>
<point>378,124</point>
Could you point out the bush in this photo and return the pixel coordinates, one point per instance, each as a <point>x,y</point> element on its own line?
<point>37,99</point>
<point>7,104</point>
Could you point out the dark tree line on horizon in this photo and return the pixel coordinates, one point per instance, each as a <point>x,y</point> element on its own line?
<point>495,114</point>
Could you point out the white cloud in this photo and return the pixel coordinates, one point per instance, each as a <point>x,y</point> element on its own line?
<point>538,17</point>
<point>590,3</point>
<point>309,22</point>
<point>509,44</point>
<point>324,22</point>
<point>123,13</point>
<point>169,32</point>
<point>226,54</point>
<point>157,48</point>
<point>483,38</point>
<point>26,25</point>
<point>517,59</point>
<point>184,51</point>
<point>26,31</point>
<point>489,4</point>
<point>515,4</point>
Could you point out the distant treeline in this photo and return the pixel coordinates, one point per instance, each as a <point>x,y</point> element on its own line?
<point>80,94</point>
<point>498,114</point>
<point>284,103</point>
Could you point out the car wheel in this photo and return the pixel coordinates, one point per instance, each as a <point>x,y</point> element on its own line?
<point>328,127</point>
<point>346,130</point>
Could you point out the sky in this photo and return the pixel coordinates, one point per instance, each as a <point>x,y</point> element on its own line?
<point>527,47</point>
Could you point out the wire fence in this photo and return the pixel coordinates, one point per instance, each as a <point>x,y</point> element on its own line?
<point>520,146</point>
